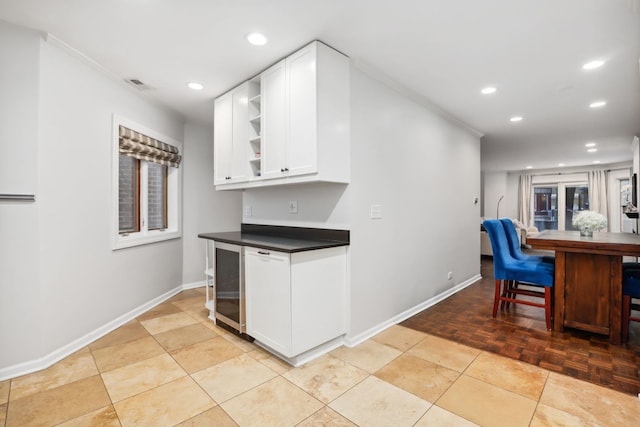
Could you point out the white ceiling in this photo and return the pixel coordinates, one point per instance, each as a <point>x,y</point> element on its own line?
<point>442,50</point>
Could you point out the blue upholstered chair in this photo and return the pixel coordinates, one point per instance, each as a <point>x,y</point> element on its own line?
<point>630,290</point>
<point>516,252</point>
<point>507,269</point>
<point>514,244</point>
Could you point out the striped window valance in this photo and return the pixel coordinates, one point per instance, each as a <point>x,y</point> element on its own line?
<point>142,147</point>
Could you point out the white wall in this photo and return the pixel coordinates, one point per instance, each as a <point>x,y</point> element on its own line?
<point>19,67</point>
<point>320,205</point>
<point>495,187</point>
<point>84,283</point>
<point>205,209</point>
<point>20,294</point>
<point>425,172</point>
<point>59,277</point>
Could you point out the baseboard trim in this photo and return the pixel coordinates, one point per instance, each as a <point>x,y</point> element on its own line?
<point>308,355</point>
<point>354,340</point>
<point>70,348</point>
<point>193,285</point>
<point>349,341</point>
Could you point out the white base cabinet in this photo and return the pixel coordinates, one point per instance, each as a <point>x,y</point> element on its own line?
<point>295,302</point>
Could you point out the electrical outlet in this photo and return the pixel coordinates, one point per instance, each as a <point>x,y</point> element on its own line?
<point>450,275</point>
<point>293,206</point>
<point>248,211</point>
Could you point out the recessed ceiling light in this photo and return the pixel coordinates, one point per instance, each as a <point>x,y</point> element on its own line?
<point>560,164</point>
<point>195,85</point>
<point>488,90</point>
<point>256,39</point>
<point>529,167</point>
<point>516,119</point>
<point>593,64</point>
<point>595,162</point>
<point>597,104</point>
<point>592,150</point>
<point>590,144</point>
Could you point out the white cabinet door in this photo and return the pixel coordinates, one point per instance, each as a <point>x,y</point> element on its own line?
<point>268,298</point>
<point>302,149</point>
<point>274,121</point>
<point>231,136</point>
<point>239,163</point>
<point>290,118</point>
<point>222,139</point>
<point>318,297</point>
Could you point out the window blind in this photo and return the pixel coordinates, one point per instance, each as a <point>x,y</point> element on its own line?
<point>143,147</point>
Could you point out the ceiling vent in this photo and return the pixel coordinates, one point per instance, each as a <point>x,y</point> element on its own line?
<point>137,84</point>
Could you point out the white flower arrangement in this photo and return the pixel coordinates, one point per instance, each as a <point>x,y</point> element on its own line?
<point>589,221</point>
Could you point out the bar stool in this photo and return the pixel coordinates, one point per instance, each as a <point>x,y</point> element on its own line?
<point>630,290</point>
<point>516,252</point>
<point>507,269</point>
<point>514,244</point>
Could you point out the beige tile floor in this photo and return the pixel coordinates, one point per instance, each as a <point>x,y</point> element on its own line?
<point>173,366</point>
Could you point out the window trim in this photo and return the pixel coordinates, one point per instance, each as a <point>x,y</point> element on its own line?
<point>174,192</point>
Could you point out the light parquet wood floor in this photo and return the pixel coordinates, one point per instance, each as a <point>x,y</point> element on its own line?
<point>519,332</point>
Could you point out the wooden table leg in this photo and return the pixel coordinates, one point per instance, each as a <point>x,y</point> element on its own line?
<point>558,295</point>
<point>615,323</point>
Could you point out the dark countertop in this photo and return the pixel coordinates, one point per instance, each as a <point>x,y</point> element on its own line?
<point>283,239</point>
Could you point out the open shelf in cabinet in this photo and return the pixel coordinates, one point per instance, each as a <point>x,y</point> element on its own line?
<point>255,127</point>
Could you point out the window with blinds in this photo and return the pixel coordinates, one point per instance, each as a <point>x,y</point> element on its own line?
<point>147,178</point>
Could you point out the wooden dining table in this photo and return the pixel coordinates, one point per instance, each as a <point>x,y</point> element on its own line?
<point>588,278</point>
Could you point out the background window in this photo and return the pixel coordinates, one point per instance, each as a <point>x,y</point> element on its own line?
<point>576,201</point>
<point>545,207</point>
<point>128,193</point>
<point>157,196</point>
<point>146,185</point>
<point>555,205</point>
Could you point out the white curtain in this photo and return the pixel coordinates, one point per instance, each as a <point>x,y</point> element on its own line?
<point>598,192</point>
<point>524,200</point>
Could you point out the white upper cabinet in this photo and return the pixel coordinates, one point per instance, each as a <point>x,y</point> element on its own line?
<point>290,117</point>
<point>304,121</point>
<point>274,105</point>
<point>230,134</point>
<point>302,150</point>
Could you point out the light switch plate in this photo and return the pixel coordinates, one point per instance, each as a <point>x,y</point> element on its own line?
<point>293,206</point>
<point>376,211</point>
